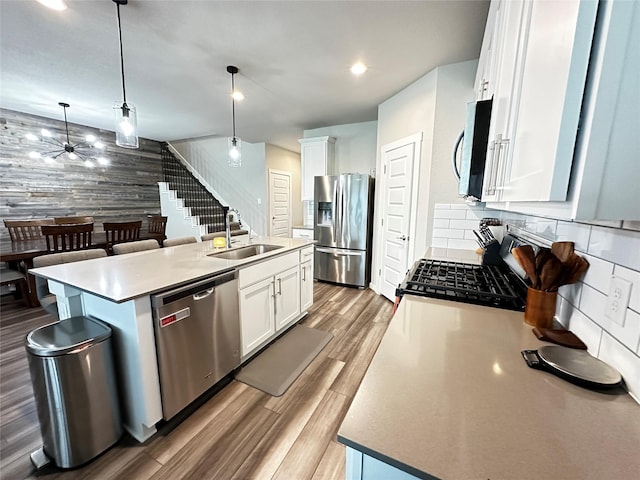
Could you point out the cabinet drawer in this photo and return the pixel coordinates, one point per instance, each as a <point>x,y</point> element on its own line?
<point>302,233</point>
<point>267,268</point>
<point>306,254</point>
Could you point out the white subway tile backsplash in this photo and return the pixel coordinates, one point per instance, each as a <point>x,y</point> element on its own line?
<point>574,232</point>
<point>623,360</point>
<point>441,223</point>
<point>476,214</point>
<point>633,277</point>
<point>621,247</point>
<point>598,275</point>
<point>592,304</point>
<point>464,224</point>
<point>571,293</point>
<point>439,242</point>
<point>455,214</point>
<point>585,330</point>
<point>458,206</point>
<point>447,233</point>
<point>462,244</point>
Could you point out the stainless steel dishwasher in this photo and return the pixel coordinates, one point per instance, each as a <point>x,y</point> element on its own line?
<point>197,329</point>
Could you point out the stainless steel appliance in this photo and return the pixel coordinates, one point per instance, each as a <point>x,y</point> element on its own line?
<point>342,228</point>
<point>197,330</point>
<point>74,385</point>
<point>500,286</point>
<point>474,139</point>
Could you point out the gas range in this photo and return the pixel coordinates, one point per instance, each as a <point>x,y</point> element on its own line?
<point>489,285</point>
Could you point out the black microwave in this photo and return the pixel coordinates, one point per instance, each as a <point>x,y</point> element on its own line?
<point>474,140</point>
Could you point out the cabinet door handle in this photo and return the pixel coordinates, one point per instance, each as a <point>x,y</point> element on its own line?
<point>279,286</point>
<point>304,274</point>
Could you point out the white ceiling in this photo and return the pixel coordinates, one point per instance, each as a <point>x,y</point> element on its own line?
<point>293,56</point>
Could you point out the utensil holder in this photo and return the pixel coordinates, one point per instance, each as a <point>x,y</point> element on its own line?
<point>540,308</point>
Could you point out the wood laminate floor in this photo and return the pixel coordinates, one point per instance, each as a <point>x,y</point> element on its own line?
<point>239,433</point>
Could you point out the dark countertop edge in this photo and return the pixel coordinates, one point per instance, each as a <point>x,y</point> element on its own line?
<point>383,458</point>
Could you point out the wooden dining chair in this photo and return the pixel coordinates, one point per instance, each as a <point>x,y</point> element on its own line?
<point>45,297</point>
<point>157,225</point>
<point>120,232</point>
<point>16,278</point>
<point>24,230</point>
<point>64,238</point>
<point>132,247</point>
<point>72,220</point>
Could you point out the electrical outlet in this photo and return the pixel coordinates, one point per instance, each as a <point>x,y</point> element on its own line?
<point>618,299</point>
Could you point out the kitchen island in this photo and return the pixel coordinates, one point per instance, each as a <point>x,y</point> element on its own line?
<point>448,395</point>
<point>117,291</point>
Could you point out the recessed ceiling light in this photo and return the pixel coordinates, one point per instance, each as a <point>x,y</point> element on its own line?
<point>54,4</point>
<point>358,68</point>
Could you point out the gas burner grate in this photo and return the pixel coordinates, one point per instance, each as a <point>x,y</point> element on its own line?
<point>487,285</point>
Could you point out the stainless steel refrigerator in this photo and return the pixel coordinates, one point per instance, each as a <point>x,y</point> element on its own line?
<point>342,227</point>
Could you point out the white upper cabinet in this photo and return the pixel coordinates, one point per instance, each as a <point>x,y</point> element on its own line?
<point>317,157</point>
<point>589,140</point>
<point>541,53</point>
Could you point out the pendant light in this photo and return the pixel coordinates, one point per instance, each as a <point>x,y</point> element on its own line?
<point>54,148</point>
<point>125,113</point>
<point>234,143</point>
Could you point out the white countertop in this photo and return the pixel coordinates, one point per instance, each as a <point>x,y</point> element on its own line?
<point>448,394</point>
<point>122,277</point>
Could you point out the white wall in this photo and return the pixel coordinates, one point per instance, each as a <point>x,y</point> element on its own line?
<point>288,161</point>
<point>355,145</point>
<point>434,105</point>
<point>243,188</point>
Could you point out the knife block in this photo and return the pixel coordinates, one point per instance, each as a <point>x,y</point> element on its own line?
<point>491,254</point>
<point>540,308</point>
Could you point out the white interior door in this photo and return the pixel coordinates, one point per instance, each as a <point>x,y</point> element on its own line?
<point>398,162</point>
<point>279,203</point>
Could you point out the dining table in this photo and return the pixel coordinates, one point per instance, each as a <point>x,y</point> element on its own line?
<point>17,254</point>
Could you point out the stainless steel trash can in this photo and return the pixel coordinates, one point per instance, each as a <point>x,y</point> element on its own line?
<point>74,385</point>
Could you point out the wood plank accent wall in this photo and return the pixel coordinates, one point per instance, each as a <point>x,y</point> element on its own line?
<point>126,189</point>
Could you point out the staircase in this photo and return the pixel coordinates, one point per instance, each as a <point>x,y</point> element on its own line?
<point>194,210</point>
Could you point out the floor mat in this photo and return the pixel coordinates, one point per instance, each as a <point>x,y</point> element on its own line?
<point>275,369</point>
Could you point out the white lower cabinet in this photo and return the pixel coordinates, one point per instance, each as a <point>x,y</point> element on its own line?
<point>257,314</point>
<point>270,298</point>
<point>306,278</point>
<point>360,466</point>
<point>287,297</point>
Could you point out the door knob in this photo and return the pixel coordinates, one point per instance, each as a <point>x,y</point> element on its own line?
<point>403,238</point>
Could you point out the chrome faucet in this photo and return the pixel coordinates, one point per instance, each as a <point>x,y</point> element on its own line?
<point>227,226</point>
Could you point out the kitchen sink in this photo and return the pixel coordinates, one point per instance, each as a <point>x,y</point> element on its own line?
<point>245,252</point>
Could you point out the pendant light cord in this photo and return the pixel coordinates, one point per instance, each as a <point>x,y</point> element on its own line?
<point>233,107</point>
<point>124,92</point>
<point>66,126</point>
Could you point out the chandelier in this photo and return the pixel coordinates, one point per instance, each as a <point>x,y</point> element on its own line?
<point>84,151</point>
<point>234,143</point>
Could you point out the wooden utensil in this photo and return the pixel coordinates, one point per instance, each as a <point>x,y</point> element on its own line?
<point>551,273</point>
<point>541,258</point>
<point>526,257</point>
<point>562,250</point>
